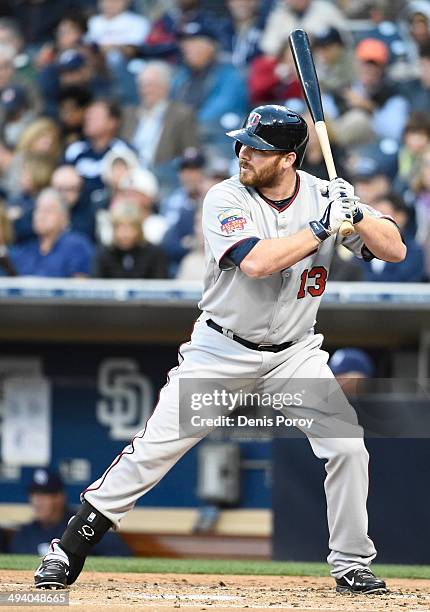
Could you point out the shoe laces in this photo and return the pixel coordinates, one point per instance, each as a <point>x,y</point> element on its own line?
<point>364,572</point>
<point>56,564</point>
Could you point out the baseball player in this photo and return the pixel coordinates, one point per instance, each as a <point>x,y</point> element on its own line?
<point>270,233</point>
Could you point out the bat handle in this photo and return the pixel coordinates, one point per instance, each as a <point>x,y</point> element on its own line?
<point>346,229</point>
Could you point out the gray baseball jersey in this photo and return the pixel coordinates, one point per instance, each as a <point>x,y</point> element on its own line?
<point>275,309</point>
<point>280,307</point>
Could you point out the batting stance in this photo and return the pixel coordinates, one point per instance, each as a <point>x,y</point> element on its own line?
<point>270,234</point>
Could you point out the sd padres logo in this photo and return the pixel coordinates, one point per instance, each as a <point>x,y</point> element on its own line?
<point>127,398</point>
<point>231,220</point>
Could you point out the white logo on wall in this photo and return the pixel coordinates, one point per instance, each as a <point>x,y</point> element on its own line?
<point>127,398</point>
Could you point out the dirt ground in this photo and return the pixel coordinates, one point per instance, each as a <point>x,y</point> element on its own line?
<point>191,593</point>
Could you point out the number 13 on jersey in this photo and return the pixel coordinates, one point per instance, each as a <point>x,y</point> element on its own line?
<point>319,276</point>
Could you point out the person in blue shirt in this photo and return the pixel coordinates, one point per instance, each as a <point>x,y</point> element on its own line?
<point>412,268</point>
<point>51,515</point>
<point>216,90</point>
<point>101,126</point>
<point>56,251</point>
<point>180,208</point>
<point>241,31</point>
<point>82,212</point>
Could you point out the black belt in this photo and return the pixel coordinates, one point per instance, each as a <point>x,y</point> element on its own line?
<point>264,346</point>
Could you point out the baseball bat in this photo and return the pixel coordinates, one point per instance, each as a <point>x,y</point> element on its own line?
<point>302,55</point>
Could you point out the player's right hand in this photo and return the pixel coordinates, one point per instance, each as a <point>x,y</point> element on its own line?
<point>335,214</point>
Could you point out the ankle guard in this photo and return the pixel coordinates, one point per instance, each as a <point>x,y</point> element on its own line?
<point>84,530</point>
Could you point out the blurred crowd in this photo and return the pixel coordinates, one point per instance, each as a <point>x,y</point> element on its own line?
<point>113,116</point>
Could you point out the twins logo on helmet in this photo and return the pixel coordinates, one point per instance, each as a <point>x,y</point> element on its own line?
<point>253,121</point>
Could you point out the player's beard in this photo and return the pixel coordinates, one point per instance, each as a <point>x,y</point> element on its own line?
<point>265,177</point>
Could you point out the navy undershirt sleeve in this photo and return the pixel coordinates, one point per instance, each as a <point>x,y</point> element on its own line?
<point>239,251</point>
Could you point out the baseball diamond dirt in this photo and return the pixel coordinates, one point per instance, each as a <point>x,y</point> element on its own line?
<point>192,592</point>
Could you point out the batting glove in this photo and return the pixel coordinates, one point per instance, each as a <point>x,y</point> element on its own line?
<point>339,189</point>
<point>334,215</point>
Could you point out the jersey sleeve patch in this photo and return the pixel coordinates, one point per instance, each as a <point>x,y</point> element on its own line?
<point>226,219</point>
<point>231,221</point>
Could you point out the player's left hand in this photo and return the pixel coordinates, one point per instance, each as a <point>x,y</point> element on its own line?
<point>334,215</point>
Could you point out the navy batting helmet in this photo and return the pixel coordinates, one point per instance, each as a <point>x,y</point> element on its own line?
<point>273,128</point>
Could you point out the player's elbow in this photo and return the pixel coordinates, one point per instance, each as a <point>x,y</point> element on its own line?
<point>253,267</point>
<point>397,253</point>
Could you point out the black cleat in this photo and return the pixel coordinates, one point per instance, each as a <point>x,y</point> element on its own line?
<point>51,574</point>
<point>360,580</point>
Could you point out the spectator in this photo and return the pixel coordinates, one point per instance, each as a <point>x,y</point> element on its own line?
<point>67,182</point>
<point>334,61</point>
<point>72,68</point>
<point>361,9</point>
<point>70,61</point>
<point>420,199</point>
<point>69,36</point>
<point>417,14</point>
<point>216,170</point>
<point>410,270</point>
<point>314,161</point>
<point>116,28</point>
<point>179,210</point>
<point>11,35</point>
<point>40,138</point>
<point>274,79</point>
<point>55,252</point>
<point>51,515</point>
<point>140,188</point>
<point>117,167</point>
<point>192,266</point>
<point>370,180</point>
<point>382,26</point>
<point>416,139</point>
<point>118,32</point>
<point>7,68</point>
<point>350,365</point>
<point>241,33</point>
<point>373,107</point>
<point>130,255</point>
<point>418,91</point>
<point>17,114</point>
<point>311,15</point>
<point>162,39</point>
<point>72,104</point>
<point>101,125</point>
<point>159,129</point>
<point>6,239</point>
<point>35,175</point>
<point>214,89</point>
<point>9,79</point>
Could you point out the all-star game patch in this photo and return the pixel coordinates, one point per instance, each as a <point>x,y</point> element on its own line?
<point>231,221</point>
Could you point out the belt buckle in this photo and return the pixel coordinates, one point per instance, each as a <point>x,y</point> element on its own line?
<point>266,345</point>
<point>228,332</point>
